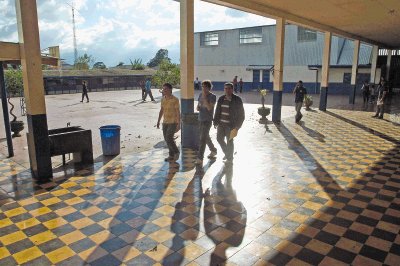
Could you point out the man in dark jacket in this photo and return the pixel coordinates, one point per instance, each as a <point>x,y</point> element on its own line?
<point>228,119</point>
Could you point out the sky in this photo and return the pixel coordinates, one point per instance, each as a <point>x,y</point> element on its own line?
<point>115,31</point>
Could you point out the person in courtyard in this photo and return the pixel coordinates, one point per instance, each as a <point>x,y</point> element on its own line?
<point>382,92</point>
<point>197,84</point>
<point>365,92</point>
<point>84,92</point>
<point>170,113</point>
<point>148,90</point>
<point>228,119</point>
<point>235,84</point>
<point>142,85</point>
<point>206,111</point>
<point>299,91</point>
<point>241,85</point>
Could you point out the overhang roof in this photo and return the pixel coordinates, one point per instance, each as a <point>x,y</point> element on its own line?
<point>371,21</point>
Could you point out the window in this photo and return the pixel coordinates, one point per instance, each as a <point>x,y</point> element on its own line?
<point>252,35</point>
<point>209,39</point>
<point>306,35</point>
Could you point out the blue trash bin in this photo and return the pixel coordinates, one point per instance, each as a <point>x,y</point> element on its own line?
<point>110,139</point>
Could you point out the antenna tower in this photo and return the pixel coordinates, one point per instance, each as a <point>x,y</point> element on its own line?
<point>74,31</point>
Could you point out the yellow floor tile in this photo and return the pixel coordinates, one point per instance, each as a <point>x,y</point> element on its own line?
<point>126,253</point>
<point>162,235</point>
<point>72,237</point>
<point>15,212</point>
<point>27,255</point>
<point>12,238</point>
<point>27,223</point>
<point>54,223</point>
<point>81,223</point>
<point>159,254</point>
<point>4,252</point>
<point>42,237</point>
<point>60,254</point>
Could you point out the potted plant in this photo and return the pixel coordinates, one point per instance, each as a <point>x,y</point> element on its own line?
<point>308,101</point>
<point>263,111</point>
<point>14,87</point>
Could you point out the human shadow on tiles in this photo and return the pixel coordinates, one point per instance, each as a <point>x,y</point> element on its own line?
<point>137,195</point>
<point>225,228</point>
<point>350,204</point>
<point>311,132</point>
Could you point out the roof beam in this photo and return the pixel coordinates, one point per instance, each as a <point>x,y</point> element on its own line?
<point>267,11</point>
<point>10,53</point>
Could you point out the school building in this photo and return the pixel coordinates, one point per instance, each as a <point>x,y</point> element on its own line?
<point>249,54</point>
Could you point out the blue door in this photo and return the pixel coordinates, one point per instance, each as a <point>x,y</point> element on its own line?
<point>256,79</point>
<point>265,80</point>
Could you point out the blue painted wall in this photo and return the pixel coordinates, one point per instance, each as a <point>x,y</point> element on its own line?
<point>334,88</point>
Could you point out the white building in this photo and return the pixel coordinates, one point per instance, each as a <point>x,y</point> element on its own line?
<point>249,54</point>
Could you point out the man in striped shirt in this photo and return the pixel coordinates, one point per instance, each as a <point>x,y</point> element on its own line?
<point>228,119</point>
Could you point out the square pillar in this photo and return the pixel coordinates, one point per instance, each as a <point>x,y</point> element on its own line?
<point>187,55</point>
<point>354,71</point>
<point>278,69</point>
<point>31,61</point>
<point>374,60</point>
<point>326,58</point>
<point>388,61</point>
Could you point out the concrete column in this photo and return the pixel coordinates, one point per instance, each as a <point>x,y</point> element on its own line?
<point>278,69</point>
<point>388,61</point>
<point>31,61</point>
<point>326,58</point>
<point>354,71</point>
<point>187,55</point>
<point>374,60</point>
<point>188,134</point>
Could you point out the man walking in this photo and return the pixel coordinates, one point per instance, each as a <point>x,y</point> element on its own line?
<point>148,90</point>
<point>365,92</point>
<point>171,121</point>
<point>380,103</point>
<point>197,84</point>
<point>84,92</point>
<point>206,110</point>
<point>235,84</point>
<point>299,91</point>
<point>228,118</point>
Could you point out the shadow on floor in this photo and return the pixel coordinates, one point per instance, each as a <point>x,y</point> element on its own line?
<point>346,209</point>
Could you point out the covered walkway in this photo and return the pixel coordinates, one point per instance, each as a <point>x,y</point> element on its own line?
<point>321,192</point>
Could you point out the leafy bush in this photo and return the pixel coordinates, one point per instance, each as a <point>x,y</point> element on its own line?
<point>168,72</point>
<point>14,82</point>
<point>137,64</point>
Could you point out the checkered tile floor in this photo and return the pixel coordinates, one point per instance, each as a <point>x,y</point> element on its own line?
<point>325,191</point>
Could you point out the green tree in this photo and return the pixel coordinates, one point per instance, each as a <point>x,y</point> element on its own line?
<point>84,62</point>
<point>168,72</point>
<point>14,86</point>
<point>99,65</point>
<point>137,64</point>
<point>161,55</point>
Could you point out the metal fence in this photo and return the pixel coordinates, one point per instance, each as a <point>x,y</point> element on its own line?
<point>66,85</point>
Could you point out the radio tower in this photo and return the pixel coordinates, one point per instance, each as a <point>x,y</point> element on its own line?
<point>74,31</point>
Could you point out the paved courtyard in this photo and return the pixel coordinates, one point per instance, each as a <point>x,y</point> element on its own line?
<point>325,191</point>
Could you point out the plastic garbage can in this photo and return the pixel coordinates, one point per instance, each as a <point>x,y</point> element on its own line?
<point>190,133</point>
<point>110,139</point>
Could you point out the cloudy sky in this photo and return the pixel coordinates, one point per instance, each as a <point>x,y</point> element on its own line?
<point>116,30</point>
